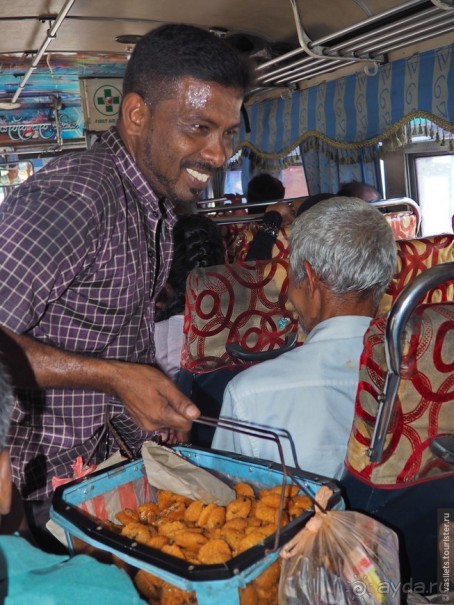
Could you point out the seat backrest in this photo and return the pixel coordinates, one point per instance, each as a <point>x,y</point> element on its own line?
<point>239,303</point>
<point>242,302</point>
<point>403,224</point>
<point>233,235</point>
<point>280,249</point>
<point>424,406</point>
<point>415,256</point>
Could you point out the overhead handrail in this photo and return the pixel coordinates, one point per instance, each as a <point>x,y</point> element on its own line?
<point>51,34</point>
<point>398,317</point>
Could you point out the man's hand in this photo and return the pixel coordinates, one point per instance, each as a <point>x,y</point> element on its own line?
<point>285,210</point>
<point>151,398</point>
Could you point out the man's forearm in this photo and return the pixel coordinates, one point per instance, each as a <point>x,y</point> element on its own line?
<point>33,364</point>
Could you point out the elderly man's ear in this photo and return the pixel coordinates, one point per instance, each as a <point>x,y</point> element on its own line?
<point>5,483</point>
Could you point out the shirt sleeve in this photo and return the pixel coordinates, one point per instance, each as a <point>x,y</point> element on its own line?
<point>261,247</point>
<point>45,234</point>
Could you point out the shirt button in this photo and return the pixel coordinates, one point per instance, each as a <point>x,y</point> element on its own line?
<point>155,214</point>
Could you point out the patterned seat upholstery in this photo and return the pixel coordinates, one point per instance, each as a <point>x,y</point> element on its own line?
<point>280,248</point>
<point>414,257</point>
<point>242,302</point>
<point>233,234</point>
<point>234,303</point>
<point>403,224</point>
<point>424,405</point>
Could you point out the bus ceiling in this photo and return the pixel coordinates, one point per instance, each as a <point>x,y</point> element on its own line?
<point>47,45</point>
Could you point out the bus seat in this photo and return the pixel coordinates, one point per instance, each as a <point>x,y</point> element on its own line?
<point>243,303</point>
<point>234,303</point>
<point>280,249</point>
<point>415,256</point>
<point>404,402</point>
<point>403,224</point>
<point>232,235</point>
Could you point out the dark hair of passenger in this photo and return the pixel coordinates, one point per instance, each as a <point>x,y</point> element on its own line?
<point>264,187</point>
<point>363,191</point>
<point>174,51</point>
<point>312,200</point>
<point>197,243</point>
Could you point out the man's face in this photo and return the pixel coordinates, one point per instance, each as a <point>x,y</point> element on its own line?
<point>188,136</point>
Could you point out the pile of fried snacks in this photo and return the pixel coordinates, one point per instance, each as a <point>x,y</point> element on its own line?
<point>206,534</point>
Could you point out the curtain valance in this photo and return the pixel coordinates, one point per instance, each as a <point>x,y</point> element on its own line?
<point>350,116</point>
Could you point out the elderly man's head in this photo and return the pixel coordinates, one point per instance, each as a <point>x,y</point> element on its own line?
<point>342,258</point>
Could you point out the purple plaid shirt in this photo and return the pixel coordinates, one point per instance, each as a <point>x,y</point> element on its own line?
<point>85,248</point>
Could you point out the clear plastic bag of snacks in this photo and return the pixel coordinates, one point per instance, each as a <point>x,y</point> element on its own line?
<point>341,558</point>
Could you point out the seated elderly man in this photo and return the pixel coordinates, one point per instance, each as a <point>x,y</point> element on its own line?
<point>342,257</point>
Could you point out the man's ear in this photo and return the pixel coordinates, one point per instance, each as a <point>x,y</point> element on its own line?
<point>5,482</point>
<point>133,113</point>
<point>312,278</point>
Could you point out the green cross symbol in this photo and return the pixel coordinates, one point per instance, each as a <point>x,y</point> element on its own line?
<point>109,100</point>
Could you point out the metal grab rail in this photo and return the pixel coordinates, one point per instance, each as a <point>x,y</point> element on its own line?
<point>401,311</point>
<point>401,201</point>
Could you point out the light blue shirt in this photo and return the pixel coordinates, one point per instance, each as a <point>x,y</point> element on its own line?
<point>309,391</point>
<point>29,576</point>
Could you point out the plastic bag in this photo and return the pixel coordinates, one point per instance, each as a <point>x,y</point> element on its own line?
<point>341,558</point>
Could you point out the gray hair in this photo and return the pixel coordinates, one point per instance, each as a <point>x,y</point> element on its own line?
<point>6,405</point>
<point>349,245</point>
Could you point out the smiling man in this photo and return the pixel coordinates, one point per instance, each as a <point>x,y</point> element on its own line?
<point>86,247</point>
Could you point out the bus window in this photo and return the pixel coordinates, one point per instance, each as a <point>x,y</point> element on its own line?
<point>294,180</point>
<point>434,180</point>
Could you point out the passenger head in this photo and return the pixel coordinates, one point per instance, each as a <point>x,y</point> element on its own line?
<point>312,200</point>
<point>362,190</point>
<point>6,406</point>
<point>348,244</point>
<point>264,188</point>
<point>182,95</point>
<point>197,243</point>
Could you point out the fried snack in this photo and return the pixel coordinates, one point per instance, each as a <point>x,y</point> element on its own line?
<point>301,501</point>
<point>250,540</point>
<point>174,550</point>
<point>212,516</point>
<point>240,507</point>
<point>266,513</point>
<point>244,489</point>
<point>273,500</point>
<point>290,490</point>
<point>192,513</point>
<point>148,512</point>
<point>170,528</point>
<point>175,512</point>
<point>139,532</point>
<point>215,551</point>
<point>238,524</point>
<point>158,542</point>
<point>232,537</point>
<point>128,515</point>
<point>191,540</point>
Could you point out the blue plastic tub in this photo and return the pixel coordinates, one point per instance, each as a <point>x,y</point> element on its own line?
<point>211,583</point>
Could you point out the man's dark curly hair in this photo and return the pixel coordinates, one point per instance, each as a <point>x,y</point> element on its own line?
<point>197,243</point>
<point>174,51</point>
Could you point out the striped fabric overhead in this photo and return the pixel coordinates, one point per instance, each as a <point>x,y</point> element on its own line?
<point>358,110</point>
